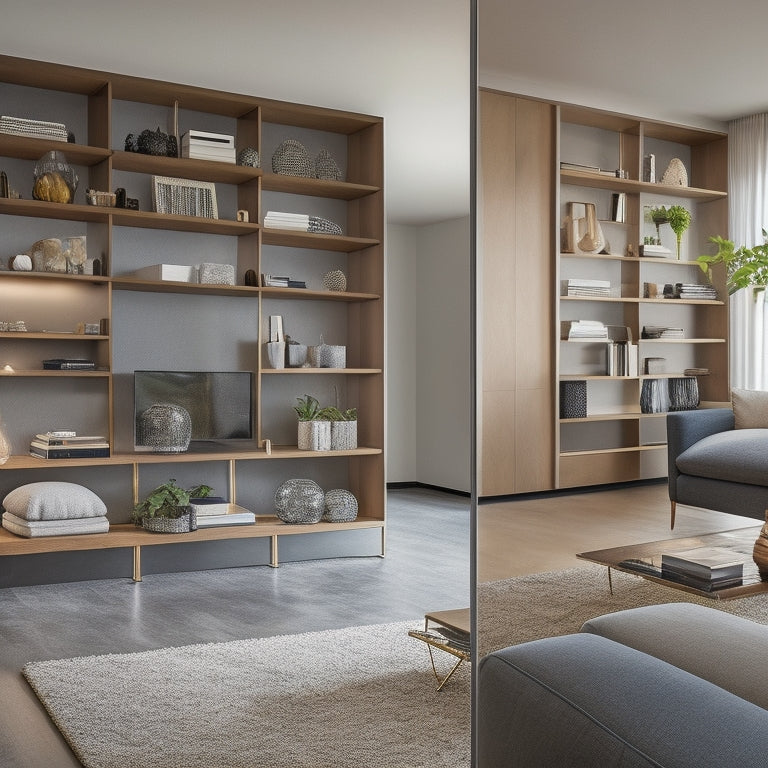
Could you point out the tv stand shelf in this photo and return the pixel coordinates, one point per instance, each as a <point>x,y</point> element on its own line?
<point>129,535</point>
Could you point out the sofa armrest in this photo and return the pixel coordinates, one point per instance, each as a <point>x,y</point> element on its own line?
<point>684,428</point>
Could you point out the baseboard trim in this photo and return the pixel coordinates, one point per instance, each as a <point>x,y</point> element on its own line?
<point>571,491</point>
<point>400,486</point>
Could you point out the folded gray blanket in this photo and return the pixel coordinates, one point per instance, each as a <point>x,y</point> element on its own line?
<point>30,528</point>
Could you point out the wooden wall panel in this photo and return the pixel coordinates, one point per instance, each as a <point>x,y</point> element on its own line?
<point>515,256</point>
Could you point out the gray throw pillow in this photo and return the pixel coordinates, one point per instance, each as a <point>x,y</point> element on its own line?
<point>750,408</point>
<point>53,501</point>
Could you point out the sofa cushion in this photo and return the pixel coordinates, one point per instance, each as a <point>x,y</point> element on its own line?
<point>738,456</point>
<point>582,700</point>
<point>707,642</point>
<point>750,408</point>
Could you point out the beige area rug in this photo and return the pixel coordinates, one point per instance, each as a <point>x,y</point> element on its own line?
<point>362,697</point>
<point>558,602</point>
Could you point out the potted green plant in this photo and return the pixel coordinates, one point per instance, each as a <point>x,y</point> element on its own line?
<point>166,509</point>
<point>744,266</point>
<point>314,429</point>
<point>679,219</point>
<point>343,428</point>
<point>658,216</point>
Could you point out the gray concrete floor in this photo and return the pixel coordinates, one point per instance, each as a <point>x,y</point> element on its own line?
<point>426,568</point>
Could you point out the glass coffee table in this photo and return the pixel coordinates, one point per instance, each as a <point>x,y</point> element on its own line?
<point>645,560</point>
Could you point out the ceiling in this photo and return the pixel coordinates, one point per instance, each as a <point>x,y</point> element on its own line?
<point>403,60</point>
<point>699,62</point>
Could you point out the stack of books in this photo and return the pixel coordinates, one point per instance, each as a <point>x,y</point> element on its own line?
<point>69,364</point>
<point>706,568</point>
<point>694,291</point>
<point>577,286</point>
<point>280,220</point>
<point>68,445</point>
<point>281,281</point>
<point>661,332</point>
<point>214,511</point>
<point>208,146</point>
<point>586,329</point>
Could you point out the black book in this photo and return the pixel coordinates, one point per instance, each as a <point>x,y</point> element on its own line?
<point>705,563</point>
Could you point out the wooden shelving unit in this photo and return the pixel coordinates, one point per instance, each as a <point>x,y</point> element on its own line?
<point>523,445</point>
<point>607,446</point>
<point>103,108</point>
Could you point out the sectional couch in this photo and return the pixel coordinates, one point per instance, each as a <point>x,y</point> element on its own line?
<point>677,685</point>
<point>718,458</point>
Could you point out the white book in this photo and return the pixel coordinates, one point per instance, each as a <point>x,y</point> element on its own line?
<point>192,137</point>
<point>179,273</point>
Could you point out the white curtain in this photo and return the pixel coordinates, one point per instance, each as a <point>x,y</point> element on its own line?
<point>748,215</point>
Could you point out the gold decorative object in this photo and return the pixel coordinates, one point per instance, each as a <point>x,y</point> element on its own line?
<point>676,175</point>
<point>760,550</point>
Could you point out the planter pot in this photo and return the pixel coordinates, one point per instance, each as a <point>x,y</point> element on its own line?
<point>314,436</point>
<point>343,435</point>
<point>184,524</point>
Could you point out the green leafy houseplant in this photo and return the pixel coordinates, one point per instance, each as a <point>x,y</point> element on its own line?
<point>679,219</point>
<point>309,409</point>
<point>168,500</point>
<point>334,414</point>
<point>744,266</point>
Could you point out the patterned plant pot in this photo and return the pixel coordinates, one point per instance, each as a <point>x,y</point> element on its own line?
<point>343,435</point>
<point>314,436</point>
<point>184,524</point>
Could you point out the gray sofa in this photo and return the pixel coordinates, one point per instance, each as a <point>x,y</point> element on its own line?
<point>714,465</point>
<point>677,685</point>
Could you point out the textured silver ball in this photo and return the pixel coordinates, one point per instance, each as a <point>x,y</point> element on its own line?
<point>335,280</point>
<point>248,156</point>
<point>300,501</point>
<point>340,506</point>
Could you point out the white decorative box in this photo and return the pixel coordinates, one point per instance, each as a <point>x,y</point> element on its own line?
<point>216,274</point>
<point>179,273</point>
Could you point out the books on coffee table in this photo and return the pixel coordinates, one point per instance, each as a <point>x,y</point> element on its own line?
<point>706,564</point>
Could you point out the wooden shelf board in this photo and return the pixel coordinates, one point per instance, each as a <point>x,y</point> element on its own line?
<point>319,242</point>
<point>313,371</point>
<point>124,217</point>
<point>129,535</point>
<point>28,148</point>
<point>172,286</point>
<point>54,276</point>
<point>52,336</point>
<point>587,179</point>
<point>298,185</point>
<point>309,295</point>
<point>185,168</point>
<point>681,341</point>
<point>634,415</point>
<point>35,373</point>
<point>672,302</point>
<point>224,454</point>
<point>641,259</point>
<point>602,451</point>
<point>64,211</point>
<point>615,299</point>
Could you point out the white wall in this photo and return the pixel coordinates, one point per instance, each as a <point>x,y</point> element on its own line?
<point>428,354</point>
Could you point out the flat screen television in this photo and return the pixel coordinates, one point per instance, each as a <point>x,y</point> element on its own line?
<point>219,403</point>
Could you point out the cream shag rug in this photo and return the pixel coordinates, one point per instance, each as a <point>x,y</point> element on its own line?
<point>557,603</point>
<point>363,697</point>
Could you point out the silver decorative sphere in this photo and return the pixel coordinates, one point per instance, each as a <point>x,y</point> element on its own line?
<point>340,506</point>
<point>165,428</point>
<point>300,501</point>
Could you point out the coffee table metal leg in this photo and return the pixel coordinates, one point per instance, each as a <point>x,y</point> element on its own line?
<point>610,580</point>
<point>442,682</point>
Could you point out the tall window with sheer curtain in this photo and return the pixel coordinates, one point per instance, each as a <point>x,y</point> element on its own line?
<point>748,216</point>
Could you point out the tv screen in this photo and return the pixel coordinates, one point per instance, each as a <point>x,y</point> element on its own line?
<point>220,404</point>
